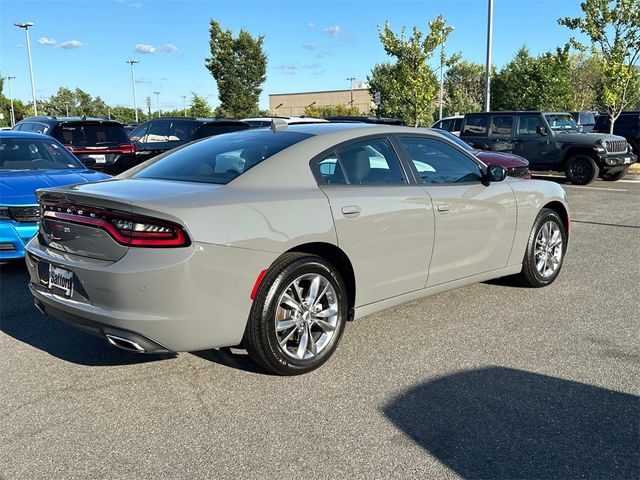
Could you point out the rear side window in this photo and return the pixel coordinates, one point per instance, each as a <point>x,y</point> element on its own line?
<point>476,125</point>
<point>331,171</point>
<point>220,159</point>
<point>33,127</point>
<point>587,118</point>
<point>87,134</point>
<point>501,125</point>
<point>372,162</point>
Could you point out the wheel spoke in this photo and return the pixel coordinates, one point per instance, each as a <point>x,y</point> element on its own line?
<point>298,290</point>
<point>329,312</point>
<point>314,287</point>
<point>286,324</point>
<point>326,326</point>
<point>312,347</point>
<point>283,342</point>
<point>290,302</point>
<point>324,290</point>
<point>302,344</point>
<point>540,264</point>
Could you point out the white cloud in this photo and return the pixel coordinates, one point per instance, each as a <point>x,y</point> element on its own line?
<point>144,48</point>
<point>290,68</point>
<point>70,44</point>
<point>135,5</point>
<point>311,25</point>
<point>46,41</point>
<point>170,48</point>
<point>309,46</point>
<point>334,31</point>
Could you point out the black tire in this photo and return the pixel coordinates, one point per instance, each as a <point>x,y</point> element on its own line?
<point>613,176</point>
<point>581,169</point>
<point>260,337</point>
<point>530,276</point>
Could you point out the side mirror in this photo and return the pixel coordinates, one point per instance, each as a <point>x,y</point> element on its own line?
<point>495,173</point>
<point>540,130</point>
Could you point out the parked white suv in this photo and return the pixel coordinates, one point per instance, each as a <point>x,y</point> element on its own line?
<point>259,122</point>
<point>450,124</point>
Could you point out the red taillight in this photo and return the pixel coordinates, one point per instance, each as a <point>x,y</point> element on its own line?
<point>126,148</point>
<point>124,228</point>
<point>123,148</point>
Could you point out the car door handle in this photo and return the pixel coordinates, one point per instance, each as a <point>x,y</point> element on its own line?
<point>443,207</point>
<point>351,211</point>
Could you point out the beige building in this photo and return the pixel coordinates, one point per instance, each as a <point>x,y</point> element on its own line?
<point>290,104</point>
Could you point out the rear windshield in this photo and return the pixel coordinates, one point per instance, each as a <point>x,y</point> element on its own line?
<point>91,134</point>
<point>35,154</point>
<point>222,158</point>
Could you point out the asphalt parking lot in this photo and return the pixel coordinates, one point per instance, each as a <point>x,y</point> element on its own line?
<point>487,381</point>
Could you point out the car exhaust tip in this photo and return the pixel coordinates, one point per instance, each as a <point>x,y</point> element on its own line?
<point>124,343</point>
<point>40,307</point>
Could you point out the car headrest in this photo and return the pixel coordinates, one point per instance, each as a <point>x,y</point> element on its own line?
<point>356,163</point>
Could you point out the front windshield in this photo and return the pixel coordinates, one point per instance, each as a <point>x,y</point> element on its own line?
<point>461,143</point>
<point>561,122</point>
<point>35,154</point>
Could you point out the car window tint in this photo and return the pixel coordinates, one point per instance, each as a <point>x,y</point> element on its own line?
<point>528,124</point>
<point>372,162</point>
<point>137,133</point>
<point>476,125</point>
<point>501,125</point>
<point>158,132</point>
<point>438,162</point>
<point>446,125</point>
<point>330,171</point>
<point>222,158</point>
<point>457,125</point>
<point>86,134</point>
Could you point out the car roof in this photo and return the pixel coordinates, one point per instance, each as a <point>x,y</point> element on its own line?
<point>338,129</point>
<point>517,112</point>
<point>19,134</point>
<point>57,120</point>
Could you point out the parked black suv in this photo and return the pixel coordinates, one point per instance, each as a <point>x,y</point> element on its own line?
<point>627,126</point>
<point>550,141</point>
<point>161,134</point>
<point>99,143</point>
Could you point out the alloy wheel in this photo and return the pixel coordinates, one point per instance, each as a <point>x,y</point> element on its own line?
<point>548,249</point>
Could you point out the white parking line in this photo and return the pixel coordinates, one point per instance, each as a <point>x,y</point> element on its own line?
<point>596,188</point>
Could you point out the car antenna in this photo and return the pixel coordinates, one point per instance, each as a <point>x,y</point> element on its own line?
<point>278,124</point>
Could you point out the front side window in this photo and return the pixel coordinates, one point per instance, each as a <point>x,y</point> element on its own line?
<point>501,125</point>
<point>373,162</point>
<point>222,158</point>
<point>528,124</point>
<point>476,125</point>
<point>29,154</point>
<point>561,122</point>
<point>439,163</point>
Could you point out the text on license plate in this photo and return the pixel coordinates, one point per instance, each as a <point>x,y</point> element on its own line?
<point>61,279</point>
<point>98,158</point>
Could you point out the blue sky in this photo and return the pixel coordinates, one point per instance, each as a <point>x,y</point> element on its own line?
<point>311,45</point>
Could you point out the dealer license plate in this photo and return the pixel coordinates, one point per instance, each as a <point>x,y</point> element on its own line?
<point>61,280</point>
<point>98,158</point>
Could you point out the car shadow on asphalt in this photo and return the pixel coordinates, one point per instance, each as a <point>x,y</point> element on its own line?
<point>502,423</point>
<point>21,320</point>
<point>233,358</point>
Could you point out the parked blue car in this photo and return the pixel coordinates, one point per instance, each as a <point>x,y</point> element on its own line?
<point>29,161</point>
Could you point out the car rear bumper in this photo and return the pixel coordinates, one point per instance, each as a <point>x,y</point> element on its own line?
<point>179,299</point>
<point>13,238</point>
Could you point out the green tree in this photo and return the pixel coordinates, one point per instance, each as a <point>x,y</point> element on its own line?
<point>127,114</point>
<point>413,82</point>
<point>321,111</point>
<point>586,82</point>
<point>533,83</point>
<point>385,78</point>
<point>20,109</point>
<point>239,66</point>
<point>464,87</point>
<point>613,27</point>
<point>199,106</point>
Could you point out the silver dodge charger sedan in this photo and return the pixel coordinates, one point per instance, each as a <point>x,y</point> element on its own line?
<point>273,238</point>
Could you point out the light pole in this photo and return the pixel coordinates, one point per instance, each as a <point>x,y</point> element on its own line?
<point>487,74</point>
<point>26,26</point>
<point>133,86</point>
<point>158,102</point>
<point>12,113</point>
<point>184,104</point>
<point>351,79</point>
<point>66,104</point>
<point>441,80</point>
